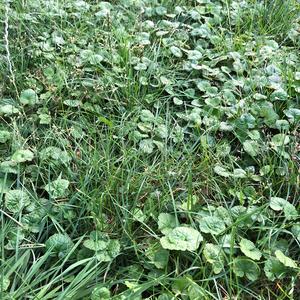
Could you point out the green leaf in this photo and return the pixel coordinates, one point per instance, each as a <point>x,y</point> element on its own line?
<point>249,249</point>
<point>212,225</point>
<point>286,261</point>
<point>147,146</point>
<point>9,167</point>
<point>177,101</point>
<point>143,38</point>
<point>57,188</point>
<point>138,215</point>
<point>147,116</point>
<point>59,244</point>
<point>96,245</point>
<point>280,139</point>
<point>158,255</point>
<point>259,96</point>
<point>279,204</point>
<point>161,10</point>
<point>178,134</point>
<point>203,85</point>
<point>265,170</point>
<point>72,103</point>
<point>110,252</point>
<point>181,284</point>
<point>176,51</point>
<point>8,109</point>
<point>296,231</point>
<point>165,296</point>
<point>221,171</point>
<point>274,269</point>
<point>5,185</point>
<point>194,54</point>
<point>95,59</point>
<point>182,238</point>
<point>213,254</point>
<point>244,267</point>
<point>141,66</point>
<point>279,94</point>
<point>251,147</point>
<point>161,131</point>
<point>105,8</point>
<point>239,173</point>
<point>16,200</point>
<point>290,211</point>
<point>4,136</point>
<point>223,214</point>
<point>33,221</point>
<point>4,283</point>
<point>22,155</point>
<point>164,80</point>
<point>28,97</point>
<point>166,222</point>
<point>224,126</point>
<point>280,244</point>
<point>145,127</point>
<point>105,249</point>
<point>86,54</point>
<point>293,114</point>
<point>100,293</point>
<point>54,153</point>
<point>282,125</point>
<point>196,292</point>
<point>45,119</point>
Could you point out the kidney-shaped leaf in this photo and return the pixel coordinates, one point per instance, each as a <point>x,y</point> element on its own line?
<point>95,245</point>
<point>176,51</point>
<point>22,155</point>
<point>59,244</point>
<point>100,293</point>
<point>285,260</point>
<point>110,252</point>
<point>296,231</point>
<point>28,97</point>
<point>251,147</point>
<point>278,204</point>
<point>249,249</point>
<point>5,185</point>
<point>147,146</point>
<point>212,225</point>
<point>244,267</point>
<point>54,153</point>
<point>16,200</point>
<point>158,256</point>
<point>166,222</point>
<point>274,269</point>
<point>213,255</point>
<point>280,139</point>
<point>4,282</point>
<point>57,188</point>
<point>194,54</point>
<point>8,109</point>
<point>182,238</point>
<point>4,136</point>
<point>221,171</point>
<point>147,116</point>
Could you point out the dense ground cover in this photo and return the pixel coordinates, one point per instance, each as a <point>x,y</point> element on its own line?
<point>149,149</point>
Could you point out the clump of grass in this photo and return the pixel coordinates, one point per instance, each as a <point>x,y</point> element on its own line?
<point>266,18</point>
